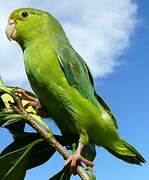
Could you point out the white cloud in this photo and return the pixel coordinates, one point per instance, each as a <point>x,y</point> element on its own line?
<point>99,30</point>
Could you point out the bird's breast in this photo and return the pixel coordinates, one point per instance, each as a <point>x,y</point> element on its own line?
<point>51,87</point>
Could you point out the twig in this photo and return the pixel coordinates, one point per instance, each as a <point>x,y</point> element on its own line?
<point>48,136</point>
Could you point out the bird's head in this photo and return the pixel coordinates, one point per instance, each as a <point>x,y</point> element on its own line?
<point>26,24</point>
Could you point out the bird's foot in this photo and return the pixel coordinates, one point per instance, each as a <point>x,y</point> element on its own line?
<point>75,159</point>
<point>34,102</point>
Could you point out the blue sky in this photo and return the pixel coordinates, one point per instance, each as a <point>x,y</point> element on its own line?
<point>117,52</point>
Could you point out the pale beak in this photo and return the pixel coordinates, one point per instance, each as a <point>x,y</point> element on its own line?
<point>11,30</point>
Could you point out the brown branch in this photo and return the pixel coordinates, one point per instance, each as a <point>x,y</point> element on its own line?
<point>48,136</point>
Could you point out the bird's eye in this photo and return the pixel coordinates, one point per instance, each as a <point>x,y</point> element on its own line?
<point>24,14</point>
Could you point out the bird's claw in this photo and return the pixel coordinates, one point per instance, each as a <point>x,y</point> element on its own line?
<point>74,160</point>
<point>24,95</point>
<point>34,102</point>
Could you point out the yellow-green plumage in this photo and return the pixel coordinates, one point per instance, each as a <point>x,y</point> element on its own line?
<point>64,85</point>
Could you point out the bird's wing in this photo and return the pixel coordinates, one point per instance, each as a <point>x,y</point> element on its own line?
<point>78,75</point>
<point>76,72</point>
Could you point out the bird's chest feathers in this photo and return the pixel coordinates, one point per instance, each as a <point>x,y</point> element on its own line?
<point>48,82</point>
<point>42,69</point>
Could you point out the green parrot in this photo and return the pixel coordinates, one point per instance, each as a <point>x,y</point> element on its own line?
<point>64,86</point>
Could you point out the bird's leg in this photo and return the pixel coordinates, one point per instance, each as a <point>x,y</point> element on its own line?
<point>34,102</point>
<point>76,158</point>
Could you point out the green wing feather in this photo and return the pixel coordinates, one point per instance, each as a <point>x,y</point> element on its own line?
<point>76,72</point>
<point>78,75</point>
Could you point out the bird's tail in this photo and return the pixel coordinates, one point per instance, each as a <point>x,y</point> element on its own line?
<point>126,152</point>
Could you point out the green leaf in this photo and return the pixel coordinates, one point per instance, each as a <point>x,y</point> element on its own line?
<point>4,117</point>
<point>2,105</point>
<point>14,164</point>
<point>15,127</point>
<point>6,114</point>
<point>22,140</point>
<point>2,85</point>
<point>64,174</point>
<point>4,88</point>
<point>39,154</point>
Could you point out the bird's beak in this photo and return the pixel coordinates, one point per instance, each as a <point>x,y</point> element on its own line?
<point>11,30</point>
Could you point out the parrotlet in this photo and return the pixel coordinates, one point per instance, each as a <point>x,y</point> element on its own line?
<point>64,86</point>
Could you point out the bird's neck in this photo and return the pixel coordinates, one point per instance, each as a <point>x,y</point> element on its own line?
<point>42,40</point>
